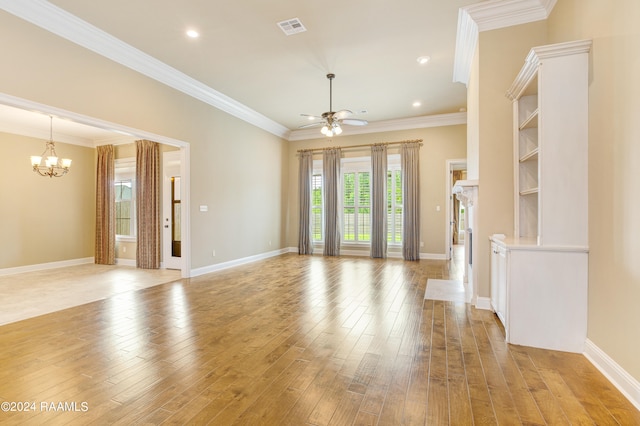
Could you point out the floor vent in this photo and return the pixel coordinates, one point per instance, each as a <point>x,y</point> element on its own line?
<point>292,26</point>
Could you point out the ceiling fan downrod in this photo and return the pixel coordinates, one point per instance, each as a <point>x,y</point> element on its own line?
<point>331,76</point>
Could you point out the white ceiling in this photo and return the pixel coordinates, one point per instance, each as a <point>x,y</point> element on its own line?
<point>370,45</point>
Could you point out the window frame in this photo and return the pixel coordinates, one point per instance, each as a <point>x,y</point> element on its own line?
<point>356,165</point>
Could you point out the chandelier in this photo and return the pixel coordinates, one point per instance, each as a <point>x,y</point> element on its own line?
<point>48,164</point>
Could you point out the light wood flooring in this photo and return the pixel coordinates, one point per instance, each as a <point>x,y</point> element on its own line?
<point>293,340</point>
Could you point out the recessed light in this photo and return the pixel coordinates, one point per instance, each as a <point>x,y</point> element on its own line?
<point>193,34</point>
<point>416,104</point>
<point>423,59</point>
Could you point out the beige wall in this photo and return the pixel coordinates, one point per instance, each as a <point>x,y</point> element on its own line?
<point>45,219</point>
<point>238,170</point>
<point>614,105</point>
<point>439,144</point>
<point>614,151</point>
<point>501,54</point>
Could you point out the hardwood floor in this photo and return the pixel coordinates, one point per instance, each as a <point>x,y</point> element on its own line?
<point>293,340</point>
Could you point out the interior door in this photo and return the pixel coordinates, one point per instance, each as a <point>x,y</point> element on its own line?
<point>172,208</point>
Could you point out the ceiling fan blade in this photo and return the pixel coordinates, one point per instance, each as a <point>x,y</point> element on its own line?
<point>354,122</point>
<point>318,123</point>
<point>343,113</point>
<point>311,117</point>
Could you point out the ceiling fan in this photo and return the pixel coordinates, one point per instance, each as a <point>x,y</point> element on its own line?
<point>331,121</point>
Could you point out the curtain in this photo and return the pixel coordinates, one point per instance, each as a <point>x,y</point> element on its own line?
<point>148,204</point>
<point>331,186</point>
<point>379,201</point>
<point>410,163</point>
<point>305,174</point>
<point>105,249</point>
<point>456,176</point>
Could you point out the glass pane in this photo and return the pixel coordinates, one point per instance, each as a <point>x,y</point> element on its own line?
<point>176,243</point>
<point>389,191</point>
<point>349,224</point>
<point>364,193</point>
<point>124,194</point>
<point>398,182</point>
<point>398,224</point>
<point>364,224</point>
<point>176,188</point>
<point>316,223</point>
<point>349,189</point>
<point>316,207</point>
<point>316,190</point>
<point>176,222</point>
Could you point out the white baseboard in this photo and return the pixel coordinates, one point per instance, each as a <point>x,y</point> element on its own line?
<point>237,262</point>
<point>618,376</point>
<point>45,266</point>
<point>483,303</point>
<point>127,262</point>
<point>391,254</point>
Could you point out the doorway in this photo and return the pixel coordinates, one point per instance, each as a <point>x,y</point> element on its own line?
<point>172,210</point>
<point>456,223</point>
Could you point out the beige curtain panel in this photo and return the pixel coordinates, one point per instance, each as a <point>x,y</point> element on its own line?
<point>105,249</point>
<point>410,163</point>
<point>148,205</point>
<point>305,174</point>
<point>331,187</point>
<point>379,201</point>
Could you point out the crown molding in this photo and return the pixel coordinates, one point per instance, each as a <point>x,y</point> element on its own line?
<point>62,23</point>
<point>425,121</point>
<point>126,134</point>
<point>536,56</point>
<point>491,15</point>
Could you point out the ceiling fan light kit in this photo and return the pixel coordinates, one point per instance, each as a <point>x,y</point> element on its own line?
<point>332,121</point>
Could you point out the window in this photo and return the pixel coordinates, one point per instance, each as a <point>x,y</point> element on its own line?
<point>317,221</point>
<point>356,201</point>
<point>394,205</point>
<point>125,198</point>
<point>357,206</point>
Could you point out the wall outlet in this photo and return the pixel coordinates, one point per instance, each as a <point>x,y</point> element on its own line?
<point>214,253</point>
<point>124,249</point>
<point>421,243</point>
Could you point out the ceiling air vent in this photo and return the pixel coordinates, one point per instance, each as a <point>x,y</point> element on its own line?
<point>292,26</point>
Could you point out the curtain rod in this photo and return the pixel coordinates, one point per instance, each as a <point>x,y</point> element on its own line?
<point>367,145</point>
